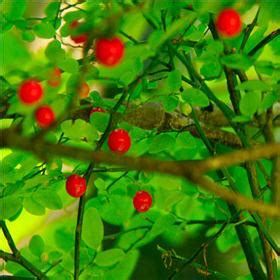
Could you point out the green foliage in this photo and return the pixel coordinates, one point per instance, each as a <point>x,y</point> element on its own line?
<point>109,257</point>
<point>36,245</point>
<point>44,30</point>
<point>54,52</point>
<point>236,61</point>
<point>17,56</point>
<point>250,102</point>
<point>195,97</point>
<point>93,234</point>
<point>171,58</point>
<point>174,80</point>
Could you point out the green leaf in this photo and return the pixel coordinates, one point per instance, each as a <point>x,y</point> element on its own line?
<point>254,85</point>
<point>52,9</point>
<point>20,24</point>
<point>211,70</point>
<point>44,30</point>
<point>93,232</point>
<point>64,239</point>
<point>250,103</point>
<point>9,206</point>
<point>266,67</point>
<point>33,206</point>
<point>69,65</point>
<point>5,25</point>
<point>36,245</point>
<point>241,119</point>
<point>28,36</point>
<point>170,103</point>
<point>100,120</point>
<point>54,52</point>
<point>17,57</point>
<point>125,268</point>
<point>49,199</point>
<point>117,210</point>
<point>79,129</point>
<point>16,9</point>
<point>109,257</point>
<point>127,77</point>
<point>69,17</point>
<point>162,142</point>
<point>237,61</point>
<point>161,225</point>
<point>195,97</point>
<point>268,100</point>
<point>275,46</point>
<point>174,80</point>
<point>190,208</point>
<point>186,140</point>
<point>227,240</point>
<point>270,10</point>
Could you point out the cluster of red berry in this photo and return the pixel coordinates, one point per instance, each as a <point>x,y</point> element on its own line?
<point>31,92</point>
<point>109,52</point>
<point>76,186</point>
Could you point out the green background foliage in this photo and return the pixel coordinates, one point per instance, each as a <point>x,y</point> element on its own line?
<point>117,242</point>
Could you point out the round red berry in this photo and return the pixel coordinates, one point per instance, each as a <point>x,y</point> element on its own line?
<point>228,23</point>
<point>142,201</point>
<point>109,52</point>
<point>54,77</point>
<point>97,109</point>
<point>76,185</point>
<point>44,116</point>
<point>84,90</point>
<point>30,91</point>
<point>119,141</point>
<point>79,38</point>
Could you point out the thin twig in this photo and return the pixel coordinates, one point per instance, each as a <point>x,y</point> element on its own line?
<point>16,256</point>
<point>198,251</point>
<point>274,34</point>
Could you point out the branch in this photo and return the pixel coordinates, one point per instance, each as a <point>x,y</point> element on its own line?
<point>265,41</point>
<point>248,30</point>
<point>191,170</point>
<point>16,255</point>
<point>236,157</point>
<point>198,251</point>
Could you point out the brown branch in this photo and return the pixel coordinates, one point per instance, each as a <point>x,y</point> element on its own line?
<point>16,255</point>
<point>236,157</point>
<point>191,170</point>
<point>264,42</point>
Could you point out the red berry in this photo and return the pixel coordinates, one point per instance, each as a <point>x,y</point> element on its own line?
<point>109,51</point>
<point>44,116</point>
<point>142,201</point>
<point>30,91</point>
<point>228,23</point>
<point>84,90</point>
<point>80,38</point>
<point>97,109</point>
<point>119,141</point>
<point>76,185</point>
<point>55,77</point>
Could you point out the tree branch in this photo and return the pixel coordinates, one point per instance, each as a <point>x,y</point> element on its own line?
<point>191,170</point>
<point>265,41</point>
<point>16,255</point>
